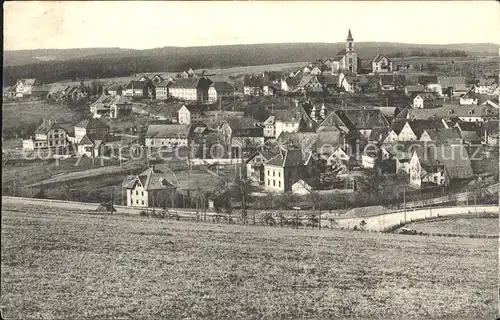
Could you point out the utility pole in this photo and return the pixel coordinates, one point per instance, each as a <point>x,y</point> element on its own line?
<point>111,206</point>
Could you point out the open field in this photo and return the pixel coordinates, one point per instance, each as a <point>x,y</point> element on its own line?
<point>23,113</point>
<point>475,225</point>
<point>215,74</point>
<point>58,265</point>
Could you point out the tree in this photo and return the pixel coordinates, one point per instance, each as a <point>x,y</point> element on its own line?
<point>242,191</point>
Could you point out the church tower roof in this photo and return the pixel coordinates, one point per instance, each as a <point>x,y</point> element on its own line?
<point>349,36</point>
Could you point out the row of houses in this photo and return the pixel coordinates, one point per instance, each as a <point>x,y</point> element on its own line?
<point>89,137</point>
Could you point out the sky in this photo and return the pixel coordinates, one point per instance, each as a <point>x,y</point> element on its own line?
<point>144,25</point>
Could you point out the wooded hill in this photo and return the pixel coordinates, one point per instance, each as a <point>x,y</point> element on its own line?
<point>54,64</point>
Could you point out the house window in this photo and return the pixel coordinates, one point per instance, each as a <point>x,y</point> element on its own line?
<point>142,193</point>
<point>137,193</point>
<point>268,172</point>
<point>136,201</point>
<point>279,174</point>
<point>268,182</point>
<point>279,184</point>
<point>274,173</point>
<point>142,202</point>
<point>131,192</point>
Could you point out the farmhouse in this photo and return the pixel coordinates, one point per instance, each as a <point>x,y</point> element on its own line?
<point>430,83</point>
<point>190,89</point>
<point>439,166</point>
<point>255,165</point>
<point>309,83</point>
<point>149,189</point>
<point>24,87</point>
<point>365,120</point>
<point>90,147</point>
<point>111,107</point>
<point>49,134</point>
<point>167,135</point>
<point>242,132</point>
<point>348,81</point>
<point>191,113</point>
<point>92,128</point>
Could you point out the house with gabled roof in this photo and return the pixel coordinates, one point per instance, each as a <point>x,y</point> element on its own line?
<point>167,135</point>
<point>490,130</point>
<point>309,83</point>
<point>149,189</point>
<point>92,128</point>
<point>446,136</point>
<point>190,89</point>
<point>241,132</point>
<point>257,86</point>
<point>289,83</point>
<point>111,107</point>
<point>486,86</point>
<point>348,81</point>
<point>412,130</point>
<point>24,87</point>
<point>470,98</point>
<point>387,82</point>
<point>114,90</point>
<point>161,89</point>
<point>48,135</point>
<point>286,168</point>
<point>220,90</point>
<point>424,100</point>
<point>156,79</point>
<point>439,166</point>
<point>364,120</point>
<point>90,147</point>
<point>470,132</point>
<point>470,113</point>
<point>430,83</point>
<point>255,165</point>
<point>381,63</point>
<point>139,88</point>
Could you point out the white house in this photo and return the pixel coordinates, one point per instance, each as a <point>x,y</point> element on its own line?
<point>381,63</point>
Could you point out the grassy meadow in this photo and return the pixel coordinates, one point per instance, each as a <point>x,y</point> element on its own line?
<point>68,265</point>
<point>475,225</point>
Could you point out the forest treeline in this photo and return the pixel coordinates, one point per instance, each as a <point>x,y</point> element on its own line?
<point>120,64</point>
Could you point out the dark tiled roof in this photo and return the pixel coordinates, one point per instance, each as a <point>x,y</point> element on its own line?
<point>180,131</point>
<point>446,82</point>
<point>366,118</point>
<point>454,159</point>
<point>290,158</point>
<point>164,83</point>
<point>151,179</point>
<point>222,86</point>
<point>46,126</point>
<point>419,126</point>
<point>424,80</point>
<point>379,57</point>
<point>191,83</point>
<point>240,123</point>
<point>92,123</point>
<point>387,80</point>
<point>254,82</point>
<point>415,88</point>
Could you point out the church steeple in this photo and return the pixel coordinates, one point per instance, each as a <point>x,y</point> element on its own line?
<point>349,36</point>
<point>349,46</point>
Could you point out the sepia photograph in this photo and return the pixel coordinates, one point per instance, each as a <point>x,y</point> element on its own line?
<point>250,160</point>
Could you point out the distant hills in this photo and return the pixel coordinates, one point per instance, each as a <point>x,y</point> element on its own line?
<point>61,64</point>
<point>260,53</point>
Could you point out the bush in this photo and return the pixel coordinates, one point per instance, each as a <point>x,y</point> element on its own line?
<point>143,214</point>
